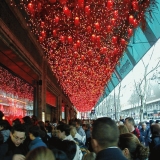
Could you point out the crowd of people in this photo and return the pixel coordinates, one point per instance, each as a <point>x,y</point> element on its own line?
<point>102,139</point>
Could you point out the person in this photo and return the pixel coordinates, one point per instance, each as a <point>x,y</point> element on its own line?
<point>40,153</point>
<point>123,129</point>
<point>130,123</point>
<point>154,153</point>
<point>105,135</point>
<point>155,138</point>
<point>63,132</point>
<point>145,134</point>
<point>34,135</point>
<point>5,129</point>
<point>16,147</point>
<point>80,130</point>
<point>132,148</point>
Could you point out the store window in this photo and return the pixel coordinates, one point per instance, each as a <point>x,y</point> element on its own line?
<point>16,96</point>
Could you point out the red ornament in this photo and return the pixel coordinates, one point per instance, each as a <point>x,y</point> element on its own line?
<point>135,23</point>
<point>109,28</point>
<point>113,22</point>
<point>66,11</point>
<point>56,19</point>
<point>70,40</point>
<point>93,37</point>
<point>54,33</point>
<point>31,8</point>
<point>109,5</point>
<point>78,43</point>
<point>43,34</point>
<point>62,39</point>
<point>131,19</point>
<point>81,3</point>
<point>123,42</point>
<point>130,32</point>
<point>135,5</point>
<point>76,21</point>
<point>115,14</point>
<point>87,10</point>
<point>114,40</point>
<point>41,39</point>
<point>97,26</point>
<point>90,53</point>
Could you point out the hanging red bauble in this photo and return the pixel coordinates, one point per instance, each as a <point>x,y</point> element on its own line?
<point>115,14</point>
<point>87,10</point>
<point>135,23</point>
<point>82,57</point>
<point>131,19</point>
<point>54,33</point>
<point>31,8</point>
<point>81,3</point>
<point>114,40</point>
<point>123,42</point>
<point>56,19</point>
<point>93,37</point>
<point>76,21</point>
<point>78,43</point>
<point>109,5</point>
<point>113,22</point>
<point>62,39</point>
<point>66,11</point>
<point>97,26</point>
<point>135,5</point>
<point>75,54</point>
<point>41,39</point>
<point>130,32</point>
<point>70,40</point>
<point>43,34</point>
<point>109,28</point>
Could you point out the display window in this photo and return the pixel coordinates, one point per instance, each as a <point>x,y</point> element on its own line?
<point>16,96</point>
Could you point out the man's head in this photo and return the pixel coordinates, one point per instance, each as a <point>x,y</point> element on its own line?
<point>78,123</point>
<point>105,134</point>
<point>144,125</point>
<point>34,131</point>
<point>129,122</point>
<point>18,134</point>
<point>63,130</point>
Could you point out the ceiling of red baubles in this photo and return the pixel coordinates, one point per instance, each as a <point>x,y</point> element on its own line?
<point>83,41</point>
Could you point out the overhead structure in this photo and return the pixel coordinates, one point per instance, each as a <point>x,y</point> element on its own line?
<point>83,41</point>
<point>139,44</point>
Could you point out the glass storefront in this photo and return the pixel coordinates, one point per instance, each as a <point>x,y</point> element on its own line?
<point>16,96</point>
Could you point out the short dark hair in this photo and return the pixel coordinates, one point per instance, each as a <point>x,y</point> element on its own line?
<point>130,120</point>
<point>105,131</point>
<point>19,128</point>
<point>64,128</point>
<point>35,130</point>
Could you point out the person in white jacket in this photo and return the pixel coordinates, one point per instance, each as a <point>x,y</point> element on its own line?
<point>63,132</point>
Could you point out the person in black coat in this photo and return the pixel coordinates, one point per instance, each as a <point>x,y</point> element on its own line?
<point>105,135</point>
<point>16,146</point>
